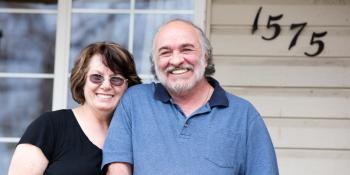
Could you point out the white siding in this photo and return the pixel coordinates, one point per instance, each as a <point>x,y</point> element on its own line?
<point>305,101</point>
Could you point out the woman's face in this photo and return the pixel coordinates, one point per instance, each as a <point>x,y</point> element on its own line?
<point>100,94</point>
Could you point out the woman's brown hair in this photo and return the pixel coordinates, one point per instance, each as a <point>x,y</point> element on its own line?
<point>114,56</point>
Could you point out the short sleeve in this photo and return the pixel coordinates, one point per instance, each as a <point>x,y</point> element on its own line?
<point>40,133</point>
<point>118,143</point>
<point>261,157</point>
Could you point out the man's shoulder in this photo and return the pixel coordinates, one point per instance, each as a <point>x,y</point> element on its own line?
<point>141,87</point>
<point>140,90</point>
<point>139,95</point>
<point>241,105</point>
<point>238,100</point>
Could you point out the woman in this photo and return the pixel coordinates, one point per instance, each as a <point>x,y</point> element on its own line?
<point>69,142</point>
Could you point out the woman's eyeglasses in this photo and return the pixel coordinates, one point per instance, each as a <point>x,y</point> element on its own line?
<point>114,80</point>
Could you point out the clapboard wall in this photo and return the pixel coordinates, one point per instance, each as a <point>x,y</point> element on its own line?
<point>305,101</point>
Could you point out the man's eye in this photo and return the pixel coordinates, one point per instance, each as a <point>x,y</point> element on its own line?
<point>165,53</point>
<point>186,50</point>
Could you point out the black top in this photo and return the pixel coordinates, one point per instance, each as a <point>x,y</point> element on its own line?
<point>65,145</point>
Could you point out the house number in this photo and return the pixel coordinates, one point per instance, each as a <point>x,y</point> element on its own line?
<point>272,24</point>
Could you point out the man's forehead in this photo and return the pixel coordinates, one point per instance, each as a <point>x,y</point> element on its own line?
<point>177,26</point>
<point>177,32</point>
<point>180,46</point>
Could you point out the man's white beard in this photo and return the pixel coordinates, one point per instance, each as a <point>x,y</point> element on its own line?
<point>181,86</point>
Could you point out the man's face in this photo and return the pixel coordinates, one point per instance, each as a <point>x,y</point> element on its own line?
<point>179,60</point>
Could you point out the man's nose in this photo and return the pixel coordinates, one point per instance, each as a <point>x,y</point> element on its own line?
<point>176,58</point>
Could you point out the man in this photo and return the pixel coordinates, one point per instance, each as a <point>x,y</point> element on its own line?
<point>186,124</point>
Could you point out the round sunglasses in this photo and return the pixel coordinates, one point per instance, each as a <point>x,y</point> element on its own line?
<point>114,80</point>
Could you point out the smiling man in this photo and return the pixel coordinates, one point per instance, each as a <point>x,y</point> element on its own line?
<point>186,124</point>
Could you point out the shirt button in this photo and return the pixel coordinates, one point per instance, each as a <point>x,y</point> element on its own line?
<point>186,125</point>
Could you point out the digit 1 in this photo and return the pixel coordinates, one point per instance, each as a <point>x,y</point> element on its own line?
<point>255,24</point>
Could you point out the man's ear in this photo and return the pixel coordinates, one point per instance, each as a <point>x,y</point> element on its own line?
<point>206,59</point>
<point>153,69</point>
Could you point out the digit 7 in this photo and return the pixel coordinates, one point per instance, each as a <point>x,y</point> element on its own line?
<point>296,36</point>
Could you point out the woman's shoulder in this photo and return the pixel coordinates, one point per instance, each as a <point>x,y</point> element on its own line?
<point>51,122</point>
<point>58,113</point>
<point>55,116</point>
<point>46,130</point>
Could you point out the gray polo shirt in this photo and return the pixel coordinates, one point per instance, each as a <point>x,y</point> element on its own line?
<point>226,136</point>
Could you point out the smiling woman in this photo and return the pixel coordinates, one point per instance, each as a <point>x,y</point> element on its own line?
<point>56,139</point>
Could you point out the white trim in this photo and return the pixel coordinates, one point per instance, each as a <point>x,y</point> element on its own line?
<point>208,17</point>
<point>29,11</point>
<point>60,88</point>
<point>132,10</point>
<point>103,11</point>
<point>9,139</point>
<point>200,13</point>
<point>146,76</point>
<point>99,11</point>
<point>25,75</point>
<point>131,26</point>
<point>155,11</point>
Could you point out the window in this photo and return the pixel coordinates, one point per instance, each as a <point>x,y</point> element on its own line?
<point>39,42</point>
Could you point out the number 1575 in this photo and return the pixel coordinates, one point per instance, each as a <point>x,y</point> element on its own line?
<point>273,25</point>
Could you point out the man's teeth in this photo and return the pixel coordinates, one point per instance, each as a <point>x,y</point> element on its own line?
<point>105,96</point>
<point>179,71</point>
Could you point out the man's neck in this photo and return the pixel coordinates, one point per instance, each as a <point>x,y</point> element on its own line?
<point>194,98</point>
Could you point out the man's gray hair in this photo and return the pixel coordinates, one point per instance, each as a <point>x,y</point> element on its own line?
<point>204,42</point>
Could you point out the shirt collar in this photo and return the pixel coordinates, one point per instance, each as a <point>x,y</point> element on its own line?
<point>218,97</point>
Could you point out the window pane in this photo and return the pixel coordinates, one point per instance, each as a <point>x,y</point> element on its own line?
<point>27,43</point>
<point>42,4</point>
<point>106,4</point>
<point>6,151</point>
<point>165,4</point>
<point>88,28</point>
<point>145,27</point>
<point>22,100</point>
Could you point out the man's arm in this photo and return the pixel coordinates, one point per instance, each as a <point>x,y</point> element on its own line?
<point>119,169</point>
<point>261,157</point>
<point>117,158</point>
